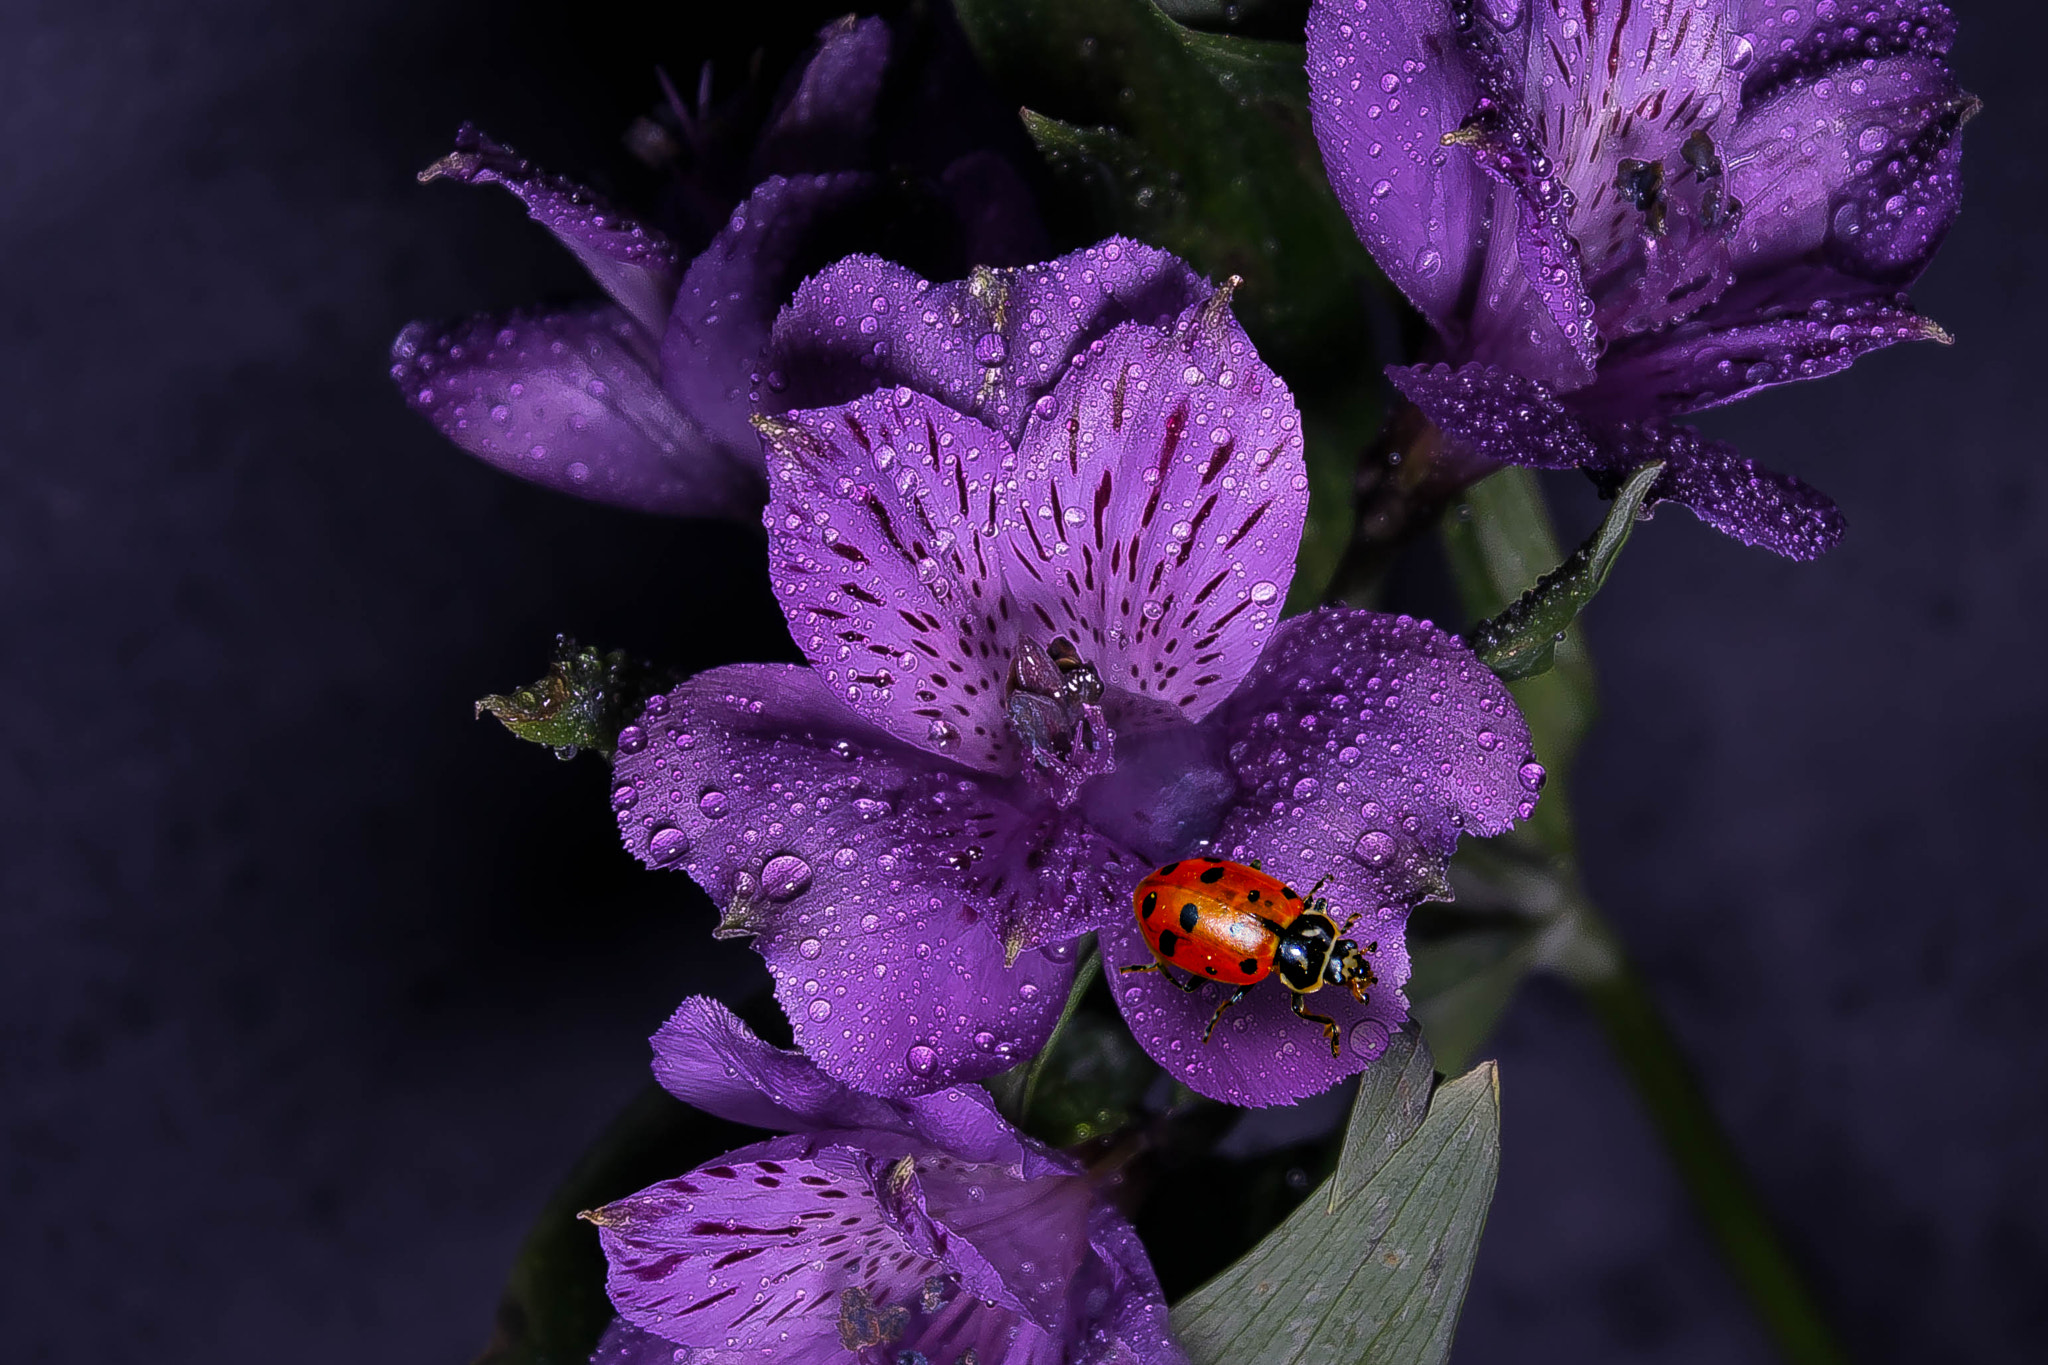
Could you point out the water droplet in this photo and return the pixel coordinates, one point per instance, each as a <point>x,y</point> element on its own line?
<point>1488,739</point>
<point>1263,591</point>
<point>785,877</point>
<point>921,1059</point>
<point>1532,776</point>
<point>1368,1038</point>
<point>809,949</point>
<point>943,735</point>
<point>844,857</point>
<point>1740,52</point>
<point>1872,139</point>
<point>1375,848</point>
<point>624,795</point>
<point>713,803</point>
<point>991,349</point>
<point>820,1010</point>
<point>632,740</point>
<point>666,845</point>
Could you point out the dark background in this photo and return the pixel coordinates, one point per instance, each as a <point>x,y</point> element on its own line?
<point>311,986</point>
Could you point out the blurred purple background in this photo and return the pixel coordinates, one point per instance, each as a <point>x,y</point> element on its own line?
<point>311,986</point>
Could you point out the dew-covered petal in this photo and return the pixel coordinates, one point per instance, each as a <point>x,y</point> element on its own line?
<point>636,265</point>
<point>825,115</point>
<point>711,348</point>
<point>1386,82</point>
<point>1136,1329</point>
<point>1260,1053</point>
<point>988,345</point>
<point>1364,745</point>
<point>1019,1243</point>
<point>570,401</point>
<point>707,1058</point>
<point>750,1255</point>
<point>1159,508</point>
<point>1776,43</point>
<point>1701,365</point>
<point>1856,169</point>
<point>883,523</point>
<point>846,854</point>
<point>1507,419</point>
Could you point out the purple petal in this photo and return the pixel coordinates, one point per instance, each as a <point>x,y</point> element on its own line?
<point>1137,1331</point>
<point>1365,745</point>
<point>637,266</point>
<point>883,535</point>
<point>988,345</point>
<point>707,1058</point>
<point>1776,43</point>
<point>1161,502</point>
<point>1021,1244</point>
<point>825,115</point>
<point>1700,365</point>
<point>729,298</point>
<point>843,851</point>
<point>1386,82</point>
<point>729,1257</point>
<point>1507,419</point>
<point>569,401</point>
<point>1857,170</point>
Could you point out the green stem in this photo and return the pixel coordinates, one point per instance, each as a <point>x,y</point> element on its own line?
<point>1594,961</point>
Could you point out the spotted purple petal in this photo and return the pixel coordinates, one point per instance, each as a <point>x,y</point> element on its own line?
<point>1385,85</point>
<point>625,1344</point>
<point>755,1251</point>
<point>1775,43</point>
<point>730,296</point>
<point>825,116</point>
<point>885,523</point>
<point>1161,495</point>
<point>1699,365</point>
<point>1364,746</point>
<point>988,345</point>
<point>846,854</point>
<point>1507,419</point>
<point>569,400</point>
<point>636,265</point>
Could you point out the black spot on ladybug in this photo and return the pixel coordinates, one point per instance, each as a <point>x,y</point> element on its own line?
<point>1210,969</point>
<point>1189,917</point>
<point>1168,941</point>
<point>1251,893</point>
<point>1290,893</point>
<point>1248,966</point>
<point>1215,875</point>
<point>1166,871</point>
<point>1151,904</point>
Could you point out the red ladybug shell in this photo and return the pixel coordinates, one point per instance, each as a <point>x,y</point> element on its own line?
<point>1209,917</point>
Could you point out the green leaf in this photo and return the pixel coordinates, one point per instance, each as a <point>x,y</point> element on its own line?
<point>583,701</point>
<point>1200,143</point>
<point>1372,1268</point>
<point>554,1307</point>
<point>1521,641</point>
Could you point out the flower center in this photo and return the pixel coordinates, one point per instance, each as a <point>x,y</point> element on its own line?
<point>1054,703</point>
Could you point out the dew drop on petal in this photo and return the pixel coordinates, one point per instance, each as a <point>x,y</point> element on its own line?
<point>921,1059</point>
<point>809,949</point>
<point>1375,848</point>
<point>713,803</point>
<point>785,877</point>
<point>667,844</point>
<point>1532,776</point>
<point>820,1010</point>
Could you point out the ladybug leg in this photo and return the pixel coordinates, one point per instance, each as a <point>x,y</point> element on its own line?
<point>1191,985</point>
<point>1315,890</point>
<point>1228,1001</point>
<point>1300,1004</point>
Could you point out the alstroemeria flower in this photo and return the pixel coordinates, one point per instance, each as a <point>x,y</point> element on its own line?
<point>877,1232</point>
<point>643,402</point>
<point>1038,578</point>
<point>1615,213</point>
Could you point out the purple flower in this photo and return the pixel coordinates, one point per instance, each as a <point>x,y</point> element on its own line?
<point>879,1232</point>
<point>1038,578</point>
<point>643,401</point>
<point>1615,213</point>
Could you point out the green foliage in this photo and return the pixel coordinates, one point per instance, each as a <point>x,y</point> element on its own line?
<point>1373,1266</point>
<point>1200,143</point>
<point>1521,641</point>
<point>582,702</point>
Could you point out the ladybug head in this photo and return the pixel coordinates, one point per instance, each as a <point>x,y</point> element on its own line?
<point>1348,966</point>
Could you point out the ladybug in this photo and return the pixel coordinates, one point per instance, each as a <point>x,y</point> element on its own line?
<point>1236,925</point>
